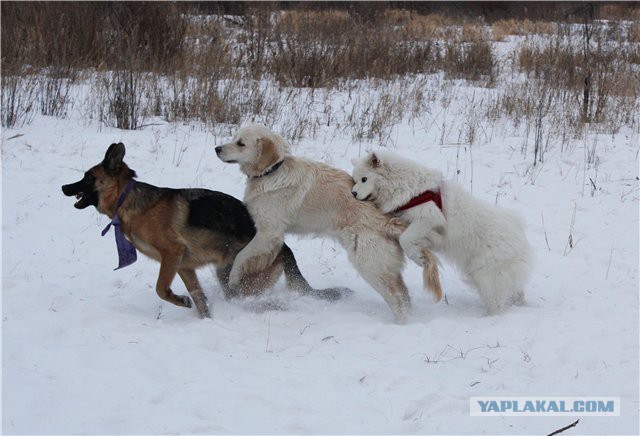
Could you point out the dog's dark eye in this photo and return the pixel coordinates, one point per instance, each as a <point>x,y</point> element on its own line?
<point>364,179</point>
<point>240,144</point>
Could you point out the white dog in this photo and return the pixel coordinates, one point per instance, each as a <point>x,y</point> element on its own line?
<point>288,194</point>
<point>487,243</point>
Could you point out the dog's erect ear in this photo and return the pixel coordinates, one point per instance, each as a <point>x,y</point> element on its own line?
<point>113,157</point>
<point>354,161</point>
<point>374,161</point>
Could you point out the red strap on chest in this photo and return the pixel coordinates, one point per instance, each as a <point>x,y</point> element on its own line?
<point>425,197</point>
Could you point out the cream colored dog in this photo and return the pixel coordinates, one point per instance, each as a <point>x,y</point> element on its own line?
<point>288,194</point>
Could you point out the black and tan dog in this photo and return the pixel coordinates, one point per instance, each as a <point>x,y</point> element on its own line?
<point>183,229</point>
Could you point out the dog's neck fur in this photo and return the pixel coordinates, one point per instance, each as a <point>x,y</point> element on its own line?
<point>109,197</point>
<point>403,180</point>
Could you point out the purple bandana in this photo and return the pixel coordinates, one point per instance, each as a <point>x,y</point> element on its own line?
<point>126,251</point>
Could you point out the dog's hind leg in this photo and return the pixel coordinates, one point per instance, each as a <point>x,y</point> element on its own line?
<point>492,286</point>
<point>222,272</point>
<point>190,280</point>
<point>168,269</point>
<point>379,261</point>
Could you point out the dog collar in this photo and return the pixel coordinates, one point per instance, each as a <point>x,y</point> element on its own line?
<point>270,170</point>
<point>425,197</point>
<point>126,250</point>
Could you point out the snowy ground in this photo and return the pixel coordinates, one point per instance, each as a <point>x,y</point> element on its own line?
<point>90,350</point>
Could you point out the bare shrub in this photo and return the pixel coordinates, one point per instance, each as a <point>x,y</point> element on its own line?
<point>91,34</point>
<point>19,96</point>
<point>254,40</point>
<point>308,51</point>
<point>419,26</point>
<point>633,33</point>
<point>472,32</point>
<point>619,11</point>
<point>122,90</point>
<point>471,61</point>
<point>55,86</point>
<point>604,67</point>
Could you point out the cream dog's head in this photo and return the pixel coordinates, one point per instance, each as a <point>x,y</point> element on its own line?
<point>255,148</point>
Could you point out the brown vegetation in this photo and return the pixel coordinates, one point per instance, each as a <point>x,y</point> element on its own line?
<point>184,61</point>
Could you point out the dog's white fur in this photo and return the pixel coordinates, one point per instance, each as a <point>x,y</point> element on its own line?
<point>486,242</point>
<point>307,197</point>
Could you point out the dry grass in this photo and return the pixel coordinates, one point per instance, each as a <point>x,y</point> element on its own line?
<point>309,52</point>
<point>501,29</point>
<point>280,67</point>
<point>421,27</point>
<point>619,11</point>
<point>633,34</point>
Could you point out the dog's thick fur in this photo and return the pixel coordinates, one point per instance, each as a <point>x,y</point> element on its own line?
<point>486,242</point>
<point>288,194</point>
<point>184,229</point>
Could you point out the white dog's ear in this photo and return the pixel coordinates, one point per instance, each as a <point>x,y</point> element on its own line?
<point>374,161</point>
<point>354,161</point>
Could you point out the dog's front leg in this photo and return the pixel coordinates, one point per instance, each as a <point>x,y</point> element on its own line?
<point>257,255</point>
<point>422,234</point>
<point>169,265</point>
<point>412,244</point>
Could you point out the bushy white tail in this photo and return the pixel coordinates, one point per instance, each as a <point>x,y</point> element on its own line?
<point>430,274</point>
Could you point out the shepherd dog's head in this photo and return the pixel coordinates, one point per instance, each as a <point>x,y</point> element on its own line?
<point>101,180</point>
<point>255,148</point>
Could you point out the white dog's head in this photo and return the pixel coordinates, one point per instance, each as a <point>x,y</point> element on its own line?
<point>366,175</point>
<point>255,148</point>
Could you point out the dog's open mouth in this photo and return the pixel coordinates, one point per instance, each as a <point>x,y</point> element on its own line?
<point>79,197</point>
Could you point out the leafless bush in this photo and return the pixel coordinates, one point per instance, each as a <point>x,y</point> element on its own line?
<point>280,63</point>
<point>307,50</point>
<point>19,96</point>
<point>91,34</point>
<point>122,91</point>
<point>55,86</point>
<point>605,67</point>
<point>471,61</point>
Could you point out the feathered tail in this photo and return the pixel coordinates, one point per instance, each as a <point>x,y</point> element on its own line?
<point>430,274</point>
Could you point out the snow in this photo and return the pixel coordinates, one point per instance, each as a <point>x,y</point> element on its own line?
<point>89,350</point>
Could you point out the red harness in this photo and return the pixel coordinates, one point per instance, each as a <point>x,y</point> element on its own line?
<point>425,197</point>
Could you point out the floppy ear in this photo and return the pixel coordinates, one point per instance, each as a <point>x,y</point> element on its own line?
<point>113,157</point>
<point>269,155</point>
<point>374,161</point>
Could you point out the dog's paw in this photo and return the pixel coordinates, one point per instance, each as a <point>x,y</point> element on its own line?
<point>330,294</point>
<point>184,301</point>
<point>204,312</point>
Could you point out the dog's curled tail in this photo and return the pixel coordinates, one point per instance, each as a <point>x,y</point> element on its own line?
<point>430,274</point>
